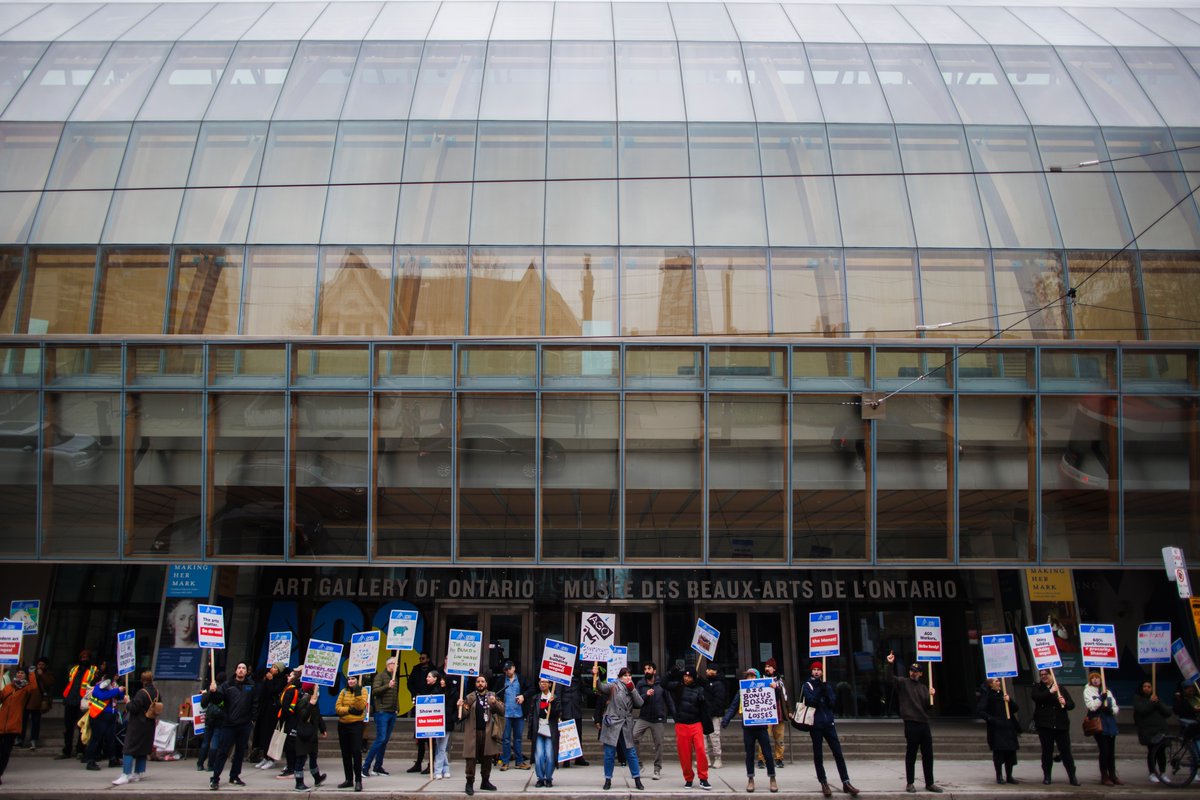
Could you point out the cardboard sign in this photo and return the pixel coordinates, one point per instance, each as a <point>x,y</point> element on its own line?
<point>198,715</point>
<point>597,632</point>
<point>1043,646</point>
<point>558,662</point>
<point>1154,643</point>
<point>929,638</point>
<point>431,716</point>
<point>1000,656</point>
<point>618,659</point>
<point>364,653</point>
<point>402,629</point>
<point>11,632</point>
<point>464,651</point>
<point>1183,660</point>
<point>824,634</point>
<point>1099,646</point>
<point>704,639</point>
<point>321,662</point>
<point>279,648</point>
<point>758,702</point>
<point>126,652</point>
<point>210,622</point>
<point>569,745</point>
<point>27,612</point>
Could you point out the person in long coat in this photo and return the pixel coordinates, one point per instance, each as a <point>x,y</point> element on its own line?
<point>545,712</point>
<point>620,699</point>
<point>478,709</point>
<point>1003,729</point>
<point>1051,703</point>
<point>13,698</point>
<point>307,726</point>
<point>139,731</point>
<point>1150,715</point>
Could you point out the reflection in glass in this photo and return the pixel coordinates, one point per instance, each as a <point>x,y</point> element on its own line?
<point>20,467</point>
<point>89,157</point>
<point>366,153</point>
<point>412,501</point>
<point>432,212</point>
<point>829,496</point>
<point>331,454</point>
<point>581,497</point>
<point>163,511</point>
<point>431,293</point>
<point>664,366</point>
<point>714,81</point>
<point>587,366</point>
<point>121,83</point>
<point>657,293</point>
<point>54,86</point>
<point>422,365</point>
<point>355,284</point>
<point>914,477</point>
<point>881,289</point>
<point>780,83</point>
<point>997,509</point>
<point>449,82</point>
<point>846,83</point>
<point>957,287</point>
<point>945,207</point>
<point>1162,467</point>
<point>508,287</point>
<point>496,366</point>
<point>133,291</point>
<point>187,81</point>
<point>1079,479</point>
<point>582,80</point>
<point>664,454</point>
<point>516,80</point>
<point>581,211</point>
<point>1152,184</point>
<point>654,212</point>
<point>81,463</point>
<point>1026,283</point>
<point>498,466</point>
<point>280,291</point>
<point>207,291</point>
<point>747,466</point>
<point>808,295</point>
<point>58,292</point>
<point>801,206</point>
<point>17,60</point>
<point>727,208</point>
<point>317,80</point>
<point>731,292</point>
<point>1107,306</point>
<point>1171,285</point>
<point>383,81</point>
<point>1009,166</point>
<point>26,153</point>
<point>251,82</point>
<point>1110,89</point>
<point>978,86</point>
<point>649,86</point>
<point>159,154</point>
<point>1086,201</point>
<point>228,154</point>
<point>510,167</point>
<point>12,262</point>
<point>581,292</point>
<point>297,153</point>
<point>915,90</point>
<point>248,476</point>
<point>871,197</point>
<point>1043,86</point>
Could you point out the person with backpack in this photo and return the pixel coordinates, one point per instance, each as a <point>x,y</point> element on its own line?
<point>819,695</point>
<point>143,710</point>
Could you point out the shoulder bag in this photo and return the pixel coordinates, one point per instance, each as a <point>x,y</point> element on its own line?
<point>1092,725</point>
<point>155,709</point>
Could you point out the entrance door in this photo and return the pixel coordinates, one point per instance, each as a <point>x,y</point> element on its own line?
<point>506,635</point>
<point>638,627</point>
<point>749,636</point>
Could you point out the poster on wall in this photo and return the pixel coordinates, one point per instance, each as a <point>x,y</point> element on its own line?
<point>28,612</point>
<point>186,587</point>
<point>1052,603</point>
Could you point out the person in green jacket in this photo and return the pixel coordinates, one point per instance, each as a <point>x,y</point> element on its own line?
<point>383,711</point>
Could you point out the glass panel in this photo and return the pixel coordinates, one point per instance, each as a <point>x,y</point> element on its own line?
<point>1043,86</point>
<point>466,20</point>
<point>226,21</point>
<point>431,293</point>
<point>846,83</point>
<point>1168,23</point>
<point>159,154</point>
<point>284,21</point>
<point>1009,167</point>
<point>581,293</point>
<point>26,153</point>
<point>121,82</point>
<point>664,454</point>
<point>656,293</point>
<point>1107,306</point>
<point>133,291</point>
<point>1168,80</point>
<point>80,474</point>
<point>1087,202</point>
<point>331,451</point>
<point>12,263</point>
<point>248,479</point>
<point>761,22</point>
<point>880,24</point>
<point>581,494</point>
<point>344,21</point>
<point>413,500</point>
<point>1076,369</point>
<point>20,467</point>
<point>516,80</point>
<point>581,367</point>
<point>1115,27</point>
<point>1109,88</point>
<point>1171,285</point>
<point>731,292</point>
<point>297,153</point>
<point>316,83</point>
<point>646,21</point>
<point>658,367</point>
<point>1025,283</point>
<point>58,292</point>
<point>449,82</point>
<point>1149,185</point>
<point>167,23</point>
<point>781,84</point>
<point>506,287</point>
<point>54,86</point>
<point>227,154</point>
<point>747,477</point>
<point>503,212</point>
<point>51,22</point>
<point>978,86</point>
<point>331,366</point>
<point>897,368</point>
<point>829,496</point>
<point>254,365</point>
<point>816,23</point>
<point>164,511</point>
<point>1079,501</point>
<point>12,14</point>
<point>497,469</point>
<point>807,293</point>
<point>984,369</point>
<point>89,157</point>
<point>1057,26</point>
<point>714,81</point>
<point>726,210</point>
<point>497,366</point>
<point>1158,370</point>
<point>582,21</point>
<point>582,80</point>
<point>530,20</point>
<point>1160,459</point>
<point>801,206</point>
<point>383,82</point>
<point>420,365</point>
<point>366,153</point>
<point>582,211</point>
<point>207,291</point>
<point>700,22</point>
<point>187,81</point>
<point>167,366</point>
<point>997,510</point>
<point>939,25</point>
<point>654,211</point>
<point>280,287</point>
<point>355,284</point>
<point>430,211</point>
<point>914,514</point>
<point>649,85</point>
<point>882,291</point>
<point>914,89</point>
<point>738,367</point>
<point>957,286</point>
<point>404,21</point>
<point>84,366</point>
<point>109,22</point>
<point>251,83</point>
<point>998,25</point>
<point>946,210</point>
<point>16,62</point>
<point>873,205</point>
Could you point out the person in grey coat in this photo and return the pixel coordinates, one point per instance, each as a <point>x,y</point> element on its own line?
<point>620,699</point>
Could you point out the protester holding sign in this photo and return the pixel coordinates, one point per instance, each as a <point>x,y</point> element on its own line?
<point>477,710</point>
<point>1003,729</point>
<point>754,694</point>
<point>448,688</point>
<point>913,696</point>
<point>620,699</point>
<point>1150,715</point>
<point>270,686</point>
<point>687,705</point>
<point>819,695</point>
<point>545,712</point>
<point>238,697</point>
<point>384,698</point>
<point>104,719</point>
<point>1102,707</point>
<point>351,707</point>
<point>143,710</point>
<point>1051,703</point>
<point>13,699</point>
<point>307,725</point>
<point>716,697</point>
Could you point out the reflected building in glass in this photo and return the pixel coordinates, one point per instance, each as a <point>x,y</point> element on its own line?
<point>734,310</point>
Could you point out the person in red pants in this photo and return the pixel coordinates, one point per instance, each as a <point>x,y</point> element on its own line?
<point>687,706</point>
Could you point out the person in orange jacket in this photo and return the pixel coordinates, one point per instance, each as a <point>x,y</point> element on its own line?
<point>13,699</point>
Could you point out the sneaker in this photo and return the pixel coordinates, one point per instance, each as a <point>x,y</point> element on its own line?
<point>137,777</point>
<point>503,767</point>
<point>779,763</point>
<point>318,779</point>
<point>379,771</point>
<point>717,763</point>
<point>92,766</point>
<point>657,772</point>
<point>539,785</point>
<point>123,779</point>
<point>237,781</point>
<point>750,784</point>
<point>345,784</point>
<point>1153,778</point>
<point>287,773</point>
<point>523,765</point>
<point>910,789</point>
<point>705,784</point>
<point>687,784</point>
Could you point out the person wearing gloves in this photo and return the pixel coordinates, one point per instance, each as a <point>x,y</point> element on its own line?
<point>1003,729</point>
<point>1103,706</point>
<point>688,706</point>
<point>1051,703</point>
<point>819,695</point>
<point>103,711</point>
<point>913,696</point>
<point>351,708</point>
<point>307,725</point>
<point>13,699</point>
<point>1150,715</point>
<point>752,735</point>
<point>620,699</point>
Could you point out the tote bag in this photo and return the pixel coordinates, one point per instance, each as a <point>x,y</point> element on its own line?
<point>275,748</point>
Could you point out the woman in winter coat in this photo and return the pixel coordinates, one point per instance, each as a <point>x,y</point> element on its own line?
<point>139,731</point>
<point>620,699</point>
<point>1003,728</point>
<point>13,699</point>
<point>1150,717</point>
<point>545,712</point>
<point>350,708</point>
<point>448,688</point>
<point>1051,703</point>
<point>307,725</point>
<point>752,735</point>
<point>1100,703</point>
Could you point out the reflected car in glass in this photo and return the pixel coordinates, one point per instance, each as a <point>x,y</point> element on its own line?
<point>487,448</point>
<point>254,528</point>
<point>312,469</point>
<point>72,452</point>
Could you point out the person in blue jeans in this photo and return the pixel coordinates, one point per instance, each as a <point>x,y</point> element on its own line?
<point>513,691</point>
<point>383,711</point>
<point>545,712</point>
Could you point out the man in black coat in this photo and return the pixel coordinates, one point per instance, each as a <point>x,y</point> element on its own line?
<point>913,698</point>
<point>716,696</point>
<point>687,705</point>
<point>241,709</point>
<point>653,715</point>
<point>1051,703</point>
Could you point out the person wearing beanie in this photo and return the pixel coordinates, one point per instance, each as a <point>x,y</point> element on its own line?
<point>1101,705</point>
<point>820,696</point>
<point>752,735</point>
<point>688,706</point>
<point>913,696</point>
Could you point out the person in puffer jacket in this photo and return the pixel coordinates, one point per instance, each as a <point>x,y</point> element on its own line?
<point>688,706</point>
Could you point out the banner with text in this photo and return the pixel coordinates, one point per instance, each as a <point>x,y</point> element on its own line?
<point>431,716</point>
<point>758,702</point>
<point>402,629</point>
<point>1183,660</point>
<point>618,659</point>
<point>824,634</point>
<point>558,662</point>
<point>597,632</point>
<point>11,632</point>
<point>211,624</point>
<point>364,653</point>
<point>279,648</point>
<point>569,745</point>
<point>322,661</point>
<point>197,715</point>
<point>27,612</point>
<point>704,639</point>
<point>126,652</point>
<point>463,652</point>
<point>1099,643</point>
<point>929,638</point>
<point>1043,646</point>
<point>1154,643</point>
<point>1000,656</point>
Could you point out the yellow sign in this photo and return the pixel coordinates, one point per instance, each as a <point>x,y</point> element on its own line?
<point>1053,585</point>
<point>1195,602</point>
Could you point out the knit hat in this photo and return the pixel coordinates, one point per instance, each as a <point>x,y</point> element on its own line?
<point>689,671</point>
<point>816,665</point>
<point>771,663</point>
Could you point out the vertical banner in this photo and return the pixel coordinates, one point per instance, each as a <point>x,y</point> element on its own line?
<point>597,632</point>
<point>463,652</point>
<point>11,632</point>
<point>758,702</point>
<point>212,626</point>
<point>1099,645</point>
<point>1183,660</point>
<point>1000,656</point>
<point>27,612</point>
<point>279,648</point>
<point>402,629</point>
<point>1051,595</point>
<point>126,652</point>
<point>1154,643</point>
<point>185,588</point>
<point>704,639</point>
<point>824,634</point>
<point>322,662</point>
<point>1043,646</point>
<point>618,659</point>
<point>569,745</point>
<point>431,716</point>
<point>198,715</point>
<point>929,638</point>
<point>558,662</point>
<point>364,653</point>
